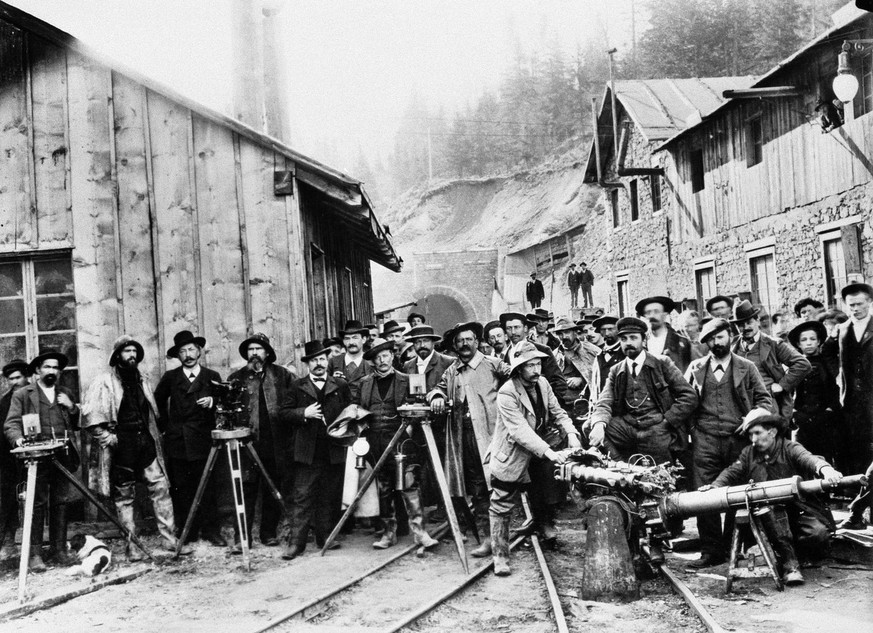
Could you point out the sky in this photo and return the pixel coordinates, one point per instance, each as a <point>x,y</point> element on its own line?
<point>352,65</point>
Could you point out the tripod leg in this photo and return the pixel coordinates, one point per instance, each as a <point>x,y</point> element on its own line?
<point>96,503</point>
<point>233,458</point>
<point>28,528</point>
<point>364,486</point>
<point>198,496</point>
<point>272,486</point>
<point>447,499</point>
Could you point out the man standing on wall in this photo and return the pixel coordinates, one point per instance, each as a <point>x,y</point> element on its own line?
<point>586,283</point>
<point>573,285</point>
<point>534,291</point>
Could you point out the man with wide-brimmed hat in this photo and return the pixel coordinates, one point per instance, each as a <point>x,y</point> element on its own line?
<point>393,331</point>
<point>530,431</point>
<point>534,291</point>
<point>729,389</point>
<point>856,381</point>
<point>186,416</point>
<point>538,320</point>
<point>645,404</point>
<point>266,387</point>
<point>586,283</point>
<point>662,338</point>
<point>312,404</point>
<point>720,307</point>
<point>351,365</point>
<point>781,366</point>
<point>579,358</point>
<point>517,327</point>
<point>415,319</point>
<point>122,416</point>
<point>381,393</point>
<point>16,372</point>
<point>609,356</point>
<point>471,383</point>
<point>803,524</point>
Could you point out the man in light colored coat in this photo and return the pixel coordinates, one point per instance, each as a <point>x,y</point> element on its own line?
<point>531,427</point>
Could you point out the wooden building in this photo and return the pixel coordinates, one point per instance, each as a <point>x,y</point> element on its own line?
<point>126,208</point>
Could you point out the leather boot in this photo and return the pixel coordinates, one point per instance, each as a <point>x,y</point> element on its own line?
<point>412,501</point>
<point>124,511</point>
<point>500,545</point>
<point>58,536</point>
<point>480,512</point>
<point>389,536</point>
<point>35,562</point>
<point>778,529</point>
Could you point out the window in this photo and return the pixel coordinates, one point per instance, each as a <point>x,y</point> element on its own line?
<point>695,160</point>
<point>621,286</point>
<point>864,99</point>
<point>834,266</point>
<point>38,312</point>
<point>704,281</point>
<point>655,184</point>
<point>762,275</point>
<point>634,201</point>
<point>613,201</point>
<point>755,141</point>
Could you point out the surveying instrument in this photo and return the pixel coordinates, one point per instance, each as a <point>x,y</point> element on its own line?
<point>417,412</point>
<point>37,449</point>
<point>232,431</point>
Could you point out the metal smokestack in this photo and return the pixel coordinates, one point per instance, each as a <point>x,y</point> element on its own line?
<point>275,73</point>
<point>247,36</point>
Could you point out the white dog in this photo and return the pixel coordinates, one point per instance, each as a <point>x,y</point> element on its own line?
<point>93,553</point>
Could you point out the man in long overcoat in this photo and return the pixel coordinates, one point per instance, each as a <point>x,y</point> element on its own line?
<point>16,372</point>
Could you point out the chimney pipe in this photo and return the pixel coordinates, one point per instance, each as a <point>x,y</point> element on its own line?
<point>248,62</point>
<point>275,75</point>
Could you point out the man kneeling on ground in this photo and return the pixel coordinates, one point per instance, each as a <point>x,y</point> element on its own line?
<point>805,524</point>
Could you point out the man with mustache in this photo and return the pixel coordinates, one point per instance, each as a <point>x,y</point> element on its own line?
<point>58,415</point>
<point>662,338</point>
<point>471,383</point>
<point>267,385</point>
<point>121,415</point>
<point>495,336</point>
<point>730,390</point>
<point>517,326</point>
<point>350,366</point>
<point>579,358</point>
<point>609,356</point>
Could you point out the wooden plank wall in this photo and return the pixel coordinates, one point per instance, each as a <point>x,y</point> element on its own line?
<point>170,219</point>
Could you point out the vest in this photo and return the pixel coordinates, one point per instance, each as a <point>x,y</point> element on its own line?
<point>384,411</point>
<point>641,409</point>
<point>719,413</point>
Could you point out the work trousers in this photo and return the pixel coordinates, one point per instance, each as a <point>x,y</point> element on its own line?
<point>254,482</point>
<point>712,454</point>
<point>379,438</point>
<point>315,499</point>
<point>10,474</point>
<point>586,294</point>
<point>185,477</point>
<point>574,296</point>
<point>623,440</point>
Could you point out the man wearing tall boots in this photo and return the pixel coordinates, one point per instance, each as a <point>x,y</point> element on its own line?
<point>58,415</point>
<point>381,393</point>
<point>730,391</point>
<point>314,401</point>
<point>186,406</point>
<point>531,427</point>
<point>16,373</point>
<point>350,366</point>
<point>121,415</point>
<point>267,385</point>
<point>471,383</point>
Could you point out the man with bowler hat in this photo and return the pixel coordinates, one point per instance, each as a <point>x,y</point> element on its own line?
<point>121,415</point>
<point>586,283</point>
<point>781,366</point>
<point>534,291</point>
<point>351,366</point>
<point>539,321</point>
<point>731,391</point>
<point>58,415</point>
<point>186,416</point>
<point>314,402</point>
<point>267,385</point>
<point>662,338</point>
<point>16,373</point>
<point>645,404</point>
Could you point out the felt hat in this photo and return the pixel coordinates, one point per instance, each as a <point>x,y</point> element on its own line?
<point>668,304</point>
<point>563,324</point>
<point>16,364</point>
<point>45,355</point>
<point>832,315</point>
<point>391,326</point>
<point>180,340</point>
<point>473,326</point>
<point>379,345</point>
<point>332,340</point>
<point>314,348</point>
<point>511,316</point>
<point>354,326</point>
<point>537,315</point>
<point>851,289</point>
<point>486,331</point>
<point>604,320</point>
<point>743,311</point>
<point>259,339</point>
<point>423,332</point>
<point>348,424</point>
<point>125,341</point>
<point>370,326</point>
<point>632,325</point>
<point>815,326</point>
<point>718,299</point>
<point>525,352</point>
<point>413,315</point>
<point>807,301</point>
<point>764,419</point>
<point>713,327</point>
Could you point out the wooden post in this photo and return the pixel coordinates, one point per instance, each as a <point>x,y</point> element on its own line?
<point>607,569</point>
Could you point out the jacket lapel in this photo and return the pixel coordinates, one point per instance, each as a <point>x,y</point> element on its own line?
<point>401,386</point>
<point>868,333</point>
<point>194,385</point>
<point>307,387</point>
<point>738,371</point>
<point>525,399</point>
<point>34,398</point>
<point>700,374</point>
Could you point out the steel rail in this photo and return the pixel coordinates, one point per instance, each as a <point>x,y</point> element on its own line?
<point>302,610</point>
<point>682,589</point>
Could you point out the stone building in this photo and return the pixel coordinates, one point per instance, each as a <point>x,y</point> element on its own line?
<point>758,196</point>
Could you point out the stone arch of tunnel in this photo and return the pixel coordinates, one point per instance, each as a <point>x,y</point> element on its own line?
<point>444,306</point>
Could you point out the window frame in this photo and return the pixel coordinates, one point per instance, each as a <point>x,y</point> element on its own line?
<point>698,180</point>
<point>755,141</point>
<point>759,250</point>
<point>706,263</point>
<point>633,193</point>
<point>656,189</point>
<point>622,287</point>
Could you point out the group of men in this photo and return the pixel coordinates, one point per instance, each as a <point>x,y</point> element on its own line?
<point>509,399</point>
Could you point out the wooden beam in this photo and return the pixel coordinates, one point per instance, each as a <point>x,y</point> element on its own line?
<point>762,93</point>
<point>641,171</point>
<point>243,242</point>
<point>345,194</point>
